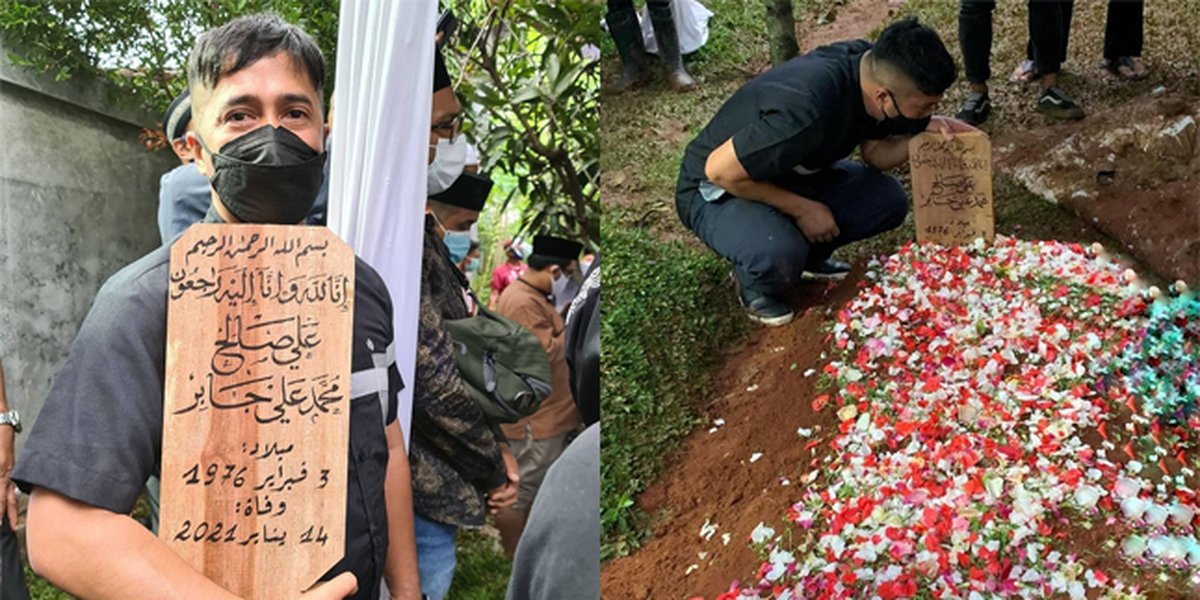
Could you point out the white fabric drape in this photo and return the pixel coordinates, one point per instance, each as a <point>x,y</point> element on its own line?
<point>383,92</point>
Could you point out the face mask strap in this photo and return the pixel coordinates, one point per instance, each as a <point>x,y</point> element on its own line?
<point>445,230</point>
<point>896,104</point>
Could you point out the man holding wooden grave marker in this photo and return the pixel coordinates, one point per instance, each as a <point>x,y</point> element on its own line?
<point>295,337</point>
<point>766,184</point>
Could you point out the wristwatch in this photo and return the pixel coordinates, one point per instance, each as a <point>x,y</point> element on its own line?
<point>11,418</point>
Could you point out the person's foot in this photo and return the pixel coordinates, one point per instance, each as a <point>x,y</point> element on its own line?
<point>631,76</point>
<point>1056,104</point>
<point>975,109</point>
<point>680,80</point>
<point>1026,72</point>
<point>667,36</point>
<point>627,36</point>
<point>830,269</point>
<point>1129,68</point>
<point>762,308</point>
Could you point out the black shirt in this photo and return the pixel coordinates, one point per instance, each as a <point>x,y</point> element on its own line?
<point>790,124</point>
<point>99,435</point>
<point>583,346</point>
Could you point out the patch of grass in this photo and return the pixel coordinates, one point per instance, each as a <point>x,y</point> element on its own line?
<point>668,314</point>
<point>737,36</point>
<point>40,589</point>
<point>482,571</point>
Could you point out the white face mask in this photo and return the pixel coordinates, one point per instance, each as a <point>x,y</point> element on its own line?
<point>448,160</point>
<point>558,287</point>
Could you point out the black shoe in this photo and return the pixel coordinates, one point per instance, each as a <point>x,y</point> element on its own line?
<point>975,109</point>
<point>627,35</point>
<point>762,308</point>
<point>1056,104</point>
<point>830,269</point>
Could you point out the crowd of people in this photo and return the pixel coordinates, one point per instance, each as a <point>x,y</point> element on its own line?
<point>253,143</point>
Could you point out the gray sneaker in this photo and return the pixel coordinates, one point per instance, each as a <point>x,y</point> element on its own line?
<point>975,109</point>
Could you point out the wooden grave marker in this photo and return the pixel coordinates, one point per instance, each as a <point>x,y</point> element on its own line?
<point>257,404</point>
<point>952,188</point>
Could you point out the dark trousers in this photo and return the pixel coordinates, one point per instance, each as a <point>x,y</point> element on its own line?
<point>1123,29</point>
<point>12,575</point>
<point>1049,32</point>
<point>767,248</point>
<point>975,38</point>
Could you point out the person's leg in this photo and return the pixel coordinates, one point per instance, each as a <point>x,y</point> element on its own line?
<point>975,39</point>
<point>1123,29</point>
<point>1068,10</point>
<point>667,36</point>
<point>435,555</point>
<point>766,247</point>
<point>12,576</point>
<point>864,201</point>
<point>534,458</point>
<point>1049,26</point>
<point>1046,36</point>
<point>511,521</point>
<point>1123,38</point>
<point>627,36</point>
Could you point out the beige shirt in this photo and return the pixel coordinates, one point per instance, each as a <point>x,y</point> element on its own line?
<point>529,308</point>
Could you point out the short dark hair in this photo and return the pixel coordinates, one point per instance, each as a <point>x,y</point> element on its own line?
<point>916,52</point>
<point>541,262</point>
<point>244,41</point>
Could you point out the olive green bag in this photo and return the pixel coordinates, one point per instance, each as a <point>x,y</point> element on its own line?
<point>502,364</point>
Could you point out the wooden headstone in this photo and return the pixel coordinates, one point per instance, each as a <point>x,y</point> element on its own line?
<point>257,404</point>
<point>952,188</point>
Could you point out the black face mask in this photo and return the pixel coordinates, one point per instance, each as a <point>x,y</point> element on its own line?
<point>900,124</point>
<point>267,176</point>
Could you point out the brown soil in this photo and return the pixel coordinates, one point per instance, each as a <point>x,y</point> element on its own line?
<point>763,396</point>
<point>1117,169</point>
<point>850,20</point>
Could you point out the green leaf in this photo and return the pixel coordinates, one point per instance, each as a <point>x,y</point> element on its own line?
<point>526,94</point>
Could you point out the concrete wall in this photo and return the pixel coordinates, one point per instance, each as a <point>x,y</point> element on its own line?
<point>78,199</point>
